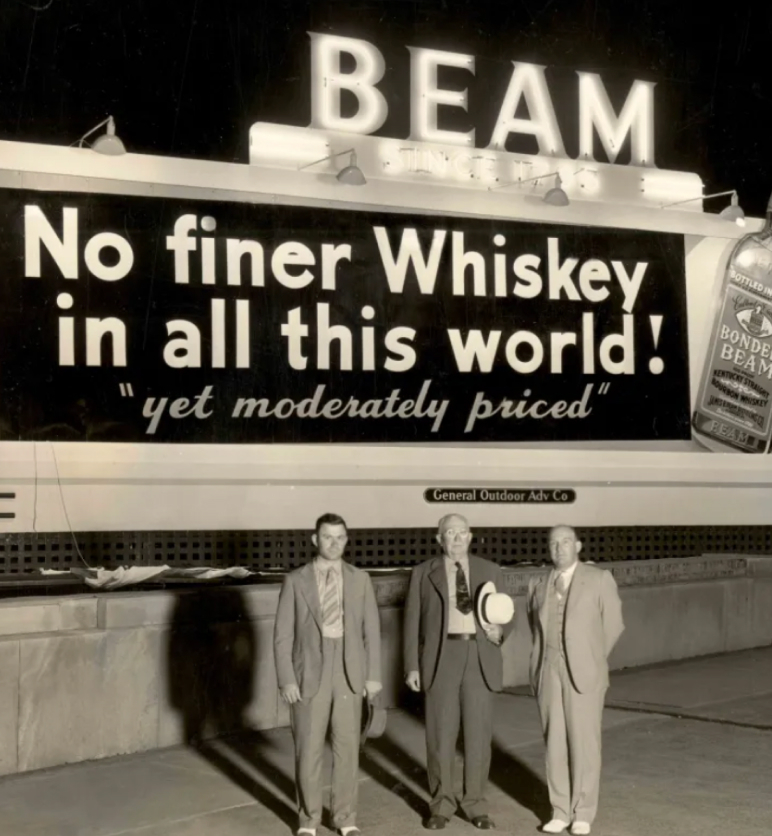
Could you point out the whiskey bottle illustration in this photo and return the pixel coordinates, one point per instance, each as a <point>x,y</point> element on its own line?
<point>733,410</point>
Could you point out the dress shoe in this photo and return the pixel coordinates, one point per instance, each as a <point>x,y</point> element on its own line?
<point>306,831</point>
<point>351,830</point>
<point>435,823</point>
<point>483,822</point>
<point>555,826</point>
<point>580,828</point>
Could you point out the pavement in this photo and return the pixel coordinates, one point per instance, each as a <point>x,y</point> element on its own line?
<point>687,749</point>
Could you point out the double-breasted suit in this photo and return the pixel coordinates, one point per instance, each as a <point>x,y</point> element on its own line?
<point>458,678</point>
<point>331,676</point>
<point>569,676</point>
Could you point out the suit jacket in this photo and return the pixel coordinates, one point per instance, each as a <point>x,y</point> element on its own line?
<point>297,638</point>
<point>593,623</point>
<point>426,620</point>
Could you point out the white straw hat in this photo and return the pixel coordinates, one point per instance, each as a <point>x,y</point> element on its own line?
<point>493,607</point>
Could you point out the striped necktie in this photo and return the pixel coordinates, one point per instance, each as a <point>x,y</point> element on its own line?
<point>330,604</point>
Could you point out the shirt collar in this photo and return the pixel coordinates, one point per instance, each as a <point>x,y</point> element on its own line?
<point>568,573</point>
<point>451,561</point>
<point>325,566</point>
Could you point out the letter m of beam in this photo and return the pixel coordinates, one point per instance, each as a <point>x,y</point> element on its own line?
<point>636,119</point>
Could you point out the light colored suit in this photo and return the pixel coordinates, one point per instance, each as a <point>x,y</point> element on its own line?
<point>571,686</point>
<point>331,676</point>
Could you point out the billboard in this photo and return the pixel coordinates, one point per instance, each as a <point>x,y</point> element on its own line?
<point>147,319</point>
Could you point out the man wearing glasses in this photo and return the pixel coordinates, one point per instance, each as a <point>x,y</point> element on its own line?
<point>575,617</point>
<point>458,664</point>
<point>327,647</point>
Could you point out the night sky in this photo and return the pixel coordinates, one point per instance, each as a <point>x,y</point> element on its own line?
<point>188,78</point>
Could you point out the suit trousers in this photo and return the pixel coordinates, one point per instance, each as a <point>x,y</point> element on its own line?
<point>334,705</point>
<point>571,723</point>
<point>459,696</point>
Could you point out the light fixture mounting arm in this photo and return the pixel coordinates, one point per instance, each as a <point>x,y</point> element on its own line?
<point>110,122</point>
<point>328,157</point>
<point>732,192</point>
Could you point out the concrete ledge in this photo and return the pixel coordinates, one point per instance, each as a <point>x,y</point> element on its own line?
<point>92,676</point>
<point>679,569</point>
<point>9,706</point>
<point>759,567</point>
<point>390,590</point>
<point>34,615</point>
<point>142,608</point>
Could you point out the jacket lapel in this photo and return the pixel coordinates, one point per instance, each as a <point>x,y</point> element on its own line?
<point>474,582</point>
<point>575,590</point>
<point>438,576</point>
<point>474,578</point>
<point>348,596</point>
<point>542,592</point>
<point>311,592</point>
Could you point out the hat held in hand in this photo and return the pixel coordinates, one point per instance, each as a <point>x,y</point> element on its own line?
<point>374,720</point>
<point>493,608</point>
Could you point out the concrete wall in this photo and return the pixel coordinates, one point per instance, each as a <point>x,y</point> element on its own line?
<point>93,676</point>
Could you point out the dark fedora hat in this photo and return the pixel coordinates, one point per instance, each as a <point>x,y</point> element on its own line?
<point>373,720</point>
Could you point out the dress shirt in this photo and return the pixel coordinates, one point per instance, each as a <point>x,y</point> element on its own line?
<point>321,568</point>
<point>457,621</point>
<point>568,574</point>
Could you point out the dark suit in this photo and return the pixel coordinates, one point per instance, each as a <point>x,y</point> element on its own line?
<point>457,693</point>
<point>570,685</point>
<point>331,675</point>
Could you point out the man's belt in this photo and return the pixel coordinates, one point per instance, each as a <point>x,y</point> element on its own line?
<point>461,637</point>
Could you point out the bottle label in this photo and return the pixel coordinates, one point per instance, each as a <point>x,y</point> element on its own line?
<point>735,406</point>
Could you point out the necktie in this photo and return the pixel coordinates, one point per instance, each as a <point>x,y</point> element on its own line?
<point>463,599</point>
<point>561,583</point>
<point>330,610</point>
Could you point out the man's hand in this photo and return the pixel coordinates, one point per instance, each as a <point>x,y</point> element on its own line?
<point>413,681</point>
<point>372,688</point>
<point>494,634</point>
<point>290,694</point>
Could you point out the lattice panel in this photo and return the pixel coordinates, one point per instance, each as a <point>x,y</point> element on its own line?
<point>21,553</point>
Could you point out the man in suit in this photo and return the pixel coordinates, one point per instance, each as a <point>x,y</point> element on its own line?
<point>327,647</point>
<point>575,617</point>
<point>458,665</point>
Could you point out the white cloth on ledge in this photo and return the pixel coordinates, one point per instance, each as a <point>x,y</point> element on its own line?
<point>99,578</point>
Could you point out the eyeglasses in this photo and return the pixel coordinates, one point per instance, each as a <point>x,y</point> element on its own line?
<point>452,532</point>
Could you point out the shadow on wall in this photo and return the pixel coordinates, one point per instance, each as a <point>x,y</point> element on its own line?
<point>211,662</point>
<point>211,659</point>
